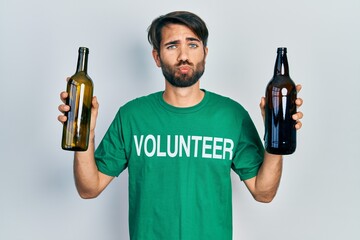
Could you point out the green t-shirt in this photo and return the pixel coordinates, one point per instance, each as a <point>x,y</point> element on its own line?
<point>179,162</point>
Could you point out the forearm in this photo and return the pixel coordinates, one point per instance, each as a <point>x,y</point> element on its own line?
<point>264,186</point>
<point>268,178</point>
<point>85,171</point>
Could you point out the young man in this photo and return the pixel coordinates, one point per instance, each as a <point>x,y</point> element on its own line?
<point>179,145</point>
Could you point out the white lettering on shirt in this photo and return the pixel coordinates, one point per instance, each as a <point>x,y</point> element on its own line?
<point>217,148</point>
<point>184,146</point>
<point>146,146</point>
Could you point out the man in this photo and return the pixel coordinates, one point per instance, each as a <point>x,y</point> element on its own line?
<point>179,145</point>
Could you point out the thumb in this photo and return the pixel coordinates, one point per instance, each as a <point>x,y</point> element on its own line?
<point>94,112</point>
<point>262,107</point>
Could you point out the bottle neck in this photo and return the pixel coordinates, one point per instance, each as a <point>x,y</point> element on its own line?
<point>281,64</point>
<point>82,60</point>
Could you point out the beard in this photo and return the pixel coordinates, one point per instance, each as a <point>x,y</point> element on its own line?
<point>183,80</point>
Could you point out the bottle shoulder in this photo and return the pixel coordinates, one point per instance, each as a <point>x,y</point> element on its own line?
<point>281,80</point>
<point>80,78</point>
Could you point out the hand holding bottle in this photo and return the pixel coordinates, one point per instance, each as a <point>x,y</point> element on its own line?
<point>63,108</point>
<point>297,116</point>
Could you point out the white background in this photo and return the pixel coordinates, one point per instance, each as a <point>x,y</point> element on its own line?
<point>319,194</point>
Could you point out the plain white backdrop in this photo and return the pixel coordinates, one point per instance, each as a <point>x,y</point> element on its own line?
<point>319,194</point>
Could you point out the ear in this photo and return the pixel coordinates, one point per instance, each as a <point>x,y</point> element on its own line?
<point>156,57</point>
<point>206,50</point>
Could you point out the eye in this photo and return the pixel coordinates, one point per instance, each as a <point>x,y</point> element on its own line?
<point>173,46</point>
<point>193,45</point>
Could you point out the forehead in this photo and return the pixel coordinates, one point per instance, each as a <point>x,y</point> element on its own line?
<point>172,32</point>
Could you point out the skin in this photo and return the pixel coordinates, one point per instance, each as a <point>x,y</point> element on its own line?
<point>179,44</point>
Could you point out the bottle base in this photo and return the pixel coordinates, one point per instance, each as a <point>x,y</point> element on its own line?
<point>278,151</point>
<point>74,149</point>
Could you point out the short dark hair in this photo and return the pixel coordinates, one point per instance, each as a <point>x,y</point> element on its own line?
<point>188,19</point>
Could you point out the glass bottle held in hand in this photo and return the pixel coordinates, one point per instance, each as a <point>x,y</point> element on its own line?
<point>76,129</point>
<point>280,132</point>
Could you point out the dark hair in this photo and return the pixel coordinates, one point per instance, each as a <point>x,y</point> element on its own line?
<point>188,19</point>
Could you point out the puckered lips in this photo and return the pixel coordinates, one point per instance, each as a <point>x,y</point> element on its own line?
<point>184,69</point>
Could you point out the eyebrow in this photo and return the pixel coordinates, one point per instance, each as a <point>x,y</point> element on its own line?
<point>189,39</point>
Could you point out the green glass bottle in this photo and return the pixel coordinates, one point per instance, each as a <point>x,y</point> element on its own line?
<point>280,132</point>
<point>76,129</point>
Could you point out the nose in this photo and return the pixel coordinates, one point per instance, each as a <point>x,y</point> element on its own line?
<point>183,53</point>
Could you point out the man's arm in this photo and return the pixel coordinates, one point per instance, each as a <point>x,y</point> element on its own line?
<point>264,186</point>
<point>88,180</point>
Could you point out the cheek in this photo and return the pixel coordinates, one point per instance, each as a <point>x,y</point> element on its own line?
<point>200,57</point>
<point>168,59</point>
<point>200,62</point>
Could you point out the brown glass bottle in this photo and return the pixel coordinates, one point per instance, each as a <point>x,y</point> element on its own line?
<point>280,132</point>
<point>76,129</point>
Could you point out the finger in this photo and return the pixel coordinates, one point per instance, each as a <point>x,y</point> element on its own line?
<point>298,125</point>
<point>64,108</point>
<point>262,107</point>
<point>62,118</point>
<point>299,102</point>
<point>262,102</point>
<point>94,102</point>
<point>298,88</point>
<point>297,116</point>
<point>95,107</point>
<point>63,96</point>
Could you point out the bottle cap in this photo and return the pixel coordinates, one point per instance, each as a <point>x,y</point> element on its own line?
<point>83,49</point>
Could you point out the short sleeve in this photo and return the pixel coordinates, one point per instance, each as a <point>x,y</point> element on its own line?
<point>110,155</point>
<point>249,153</point>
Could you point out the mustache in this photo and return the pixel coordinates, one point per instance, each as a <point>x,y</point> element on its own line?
<point>182,62</point>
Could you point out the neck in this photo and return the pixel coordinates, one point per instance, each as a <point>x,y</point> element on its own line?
<point>183,97</point>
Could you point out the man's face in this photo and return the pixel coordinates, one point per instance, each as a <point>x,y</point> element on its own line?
<point>182,56</point>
